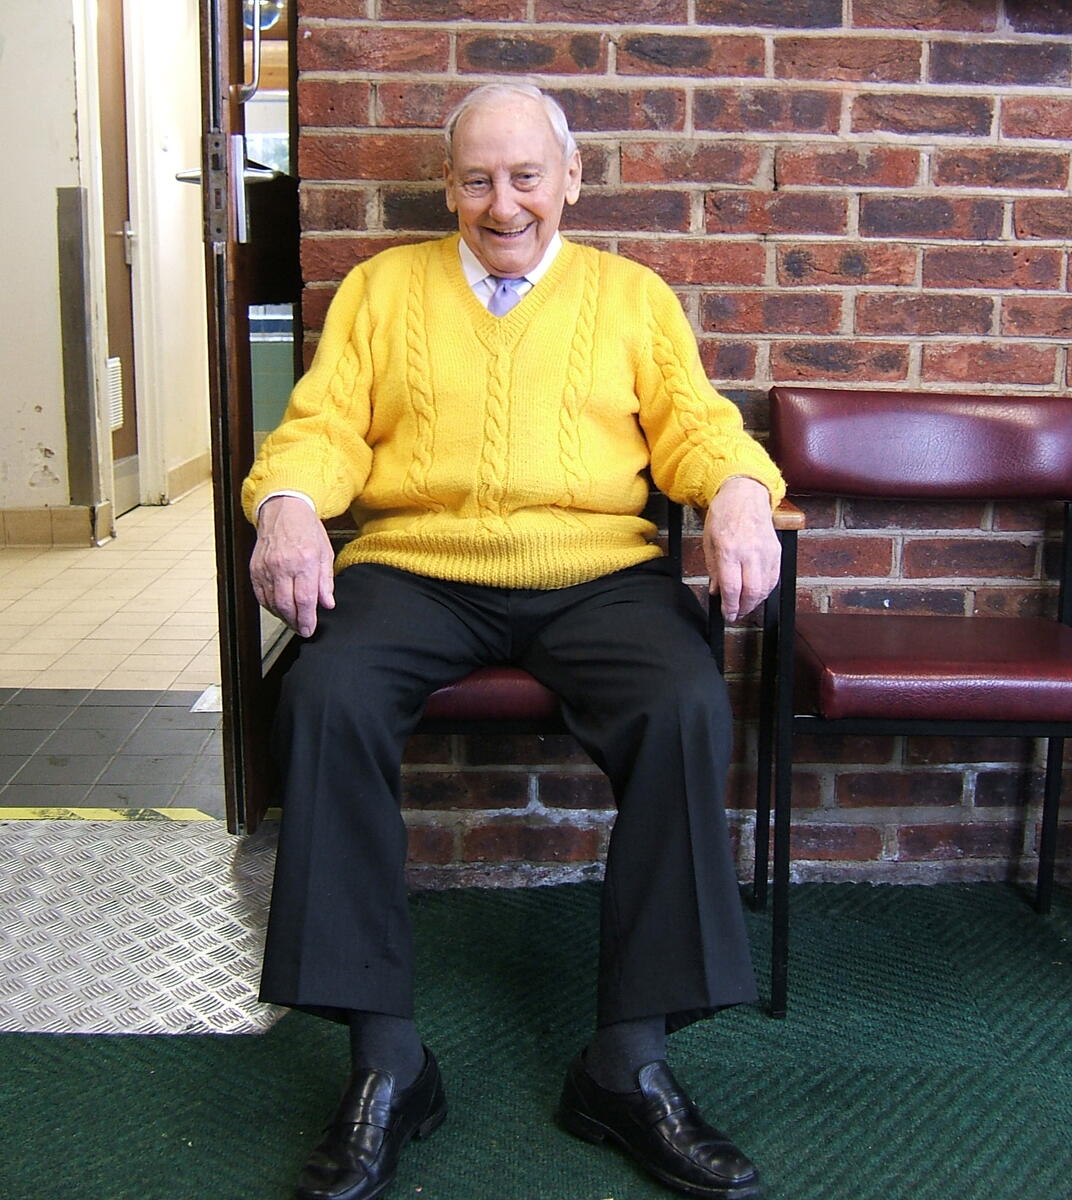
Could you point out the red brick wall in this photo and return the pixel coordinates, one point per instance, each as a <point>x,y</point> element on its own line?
<point>842,192</point>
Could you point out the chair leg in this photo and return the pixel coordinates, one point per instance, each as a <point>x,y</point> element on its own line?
<point>780,912</point>
<point>782,693</point>
<point>765,755</point>
<point>1051,804</point>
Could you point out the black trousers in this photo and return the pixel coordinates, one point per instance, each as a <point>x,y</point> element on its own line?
<point>628,658</point>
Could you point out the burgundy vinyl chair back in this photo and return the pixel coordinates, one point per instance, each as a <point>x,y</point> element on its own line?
<point>922,446</point>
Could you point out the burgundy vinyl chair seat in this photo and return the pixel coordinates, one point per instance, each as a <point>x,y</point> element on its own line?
<point>493,694</point>
<point>888,666</point>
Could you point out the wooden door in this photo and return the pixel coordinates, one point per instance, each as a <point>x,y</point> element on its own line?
<point>251,257</point>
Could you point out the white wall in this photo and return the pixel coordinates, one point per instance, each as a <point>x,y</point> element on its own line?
<point>37,110</point>
<point>49,113</point>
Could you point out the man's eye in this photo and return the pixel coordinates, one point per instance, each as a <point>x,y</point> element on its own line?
<point>476,187</point>
<point>527,180</point>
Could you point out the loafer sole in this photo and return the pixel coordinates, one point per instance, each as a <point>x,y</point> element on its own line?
<point>588,1129</point>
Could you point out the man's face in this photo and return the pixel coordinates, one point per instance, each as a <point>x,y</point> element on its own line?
<point>508,183</point>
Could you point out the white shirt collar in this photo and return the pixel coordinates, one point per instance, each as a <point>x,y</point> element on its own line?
<point>476,273</point>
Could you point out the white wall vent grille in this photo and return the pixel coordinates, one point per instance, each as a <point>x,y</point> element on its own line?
<point>113,381</point>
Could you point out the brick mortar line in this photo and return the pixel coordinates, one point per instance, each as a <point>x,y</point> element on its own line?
<point>1059,341</point>
<point>846,32</point>
<point>998,192</point>
<point>851,89</point>
<point>863,139</point>
<point>727,237</point>
<point>474,818</point>
<point>895,818</point>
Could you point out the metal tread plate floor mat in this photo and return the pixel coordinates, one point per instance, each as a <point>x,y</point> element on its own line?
<point>132,927</point>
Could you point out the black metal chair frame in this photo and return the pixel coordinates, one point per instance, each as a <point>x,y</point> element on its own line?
<point>779,722</point>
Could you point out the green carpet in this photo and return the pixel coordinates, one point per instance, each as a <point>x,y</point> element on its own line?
<point>927,1056</point>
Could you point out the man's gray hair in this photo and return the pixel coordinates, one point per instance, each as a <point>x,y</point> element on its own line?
<point>496,91</point>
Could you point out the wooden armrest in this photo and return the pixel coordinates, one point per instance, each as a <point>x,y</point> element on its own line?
<point>788,516</point>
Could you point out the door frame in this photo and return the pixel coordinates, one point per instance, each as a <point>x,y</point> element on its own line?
<point>91,179</point>
<point>240,267</point>
<point>144,285</point>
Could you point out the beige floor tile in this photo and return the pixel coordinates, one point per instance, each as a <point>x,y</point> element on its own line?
<point>88,617</point>
<point>139,661</point>
<point>117,647</point>
<point>124,618</point>
<point>138,680</point>
<point>195,682</point>
<point>165,645</point>
<point>94,571</point>
<point>39,576</point>
<point>62,590</point>
<point>122,606</point>
<point>124,584</point>
<point>18,677</point>
<point>155,558</point>
<point>196,634</point>
<point>65,624</point>
<point>14,662</point>
<point>113,553</point>
<point>183,617</point>
<point>35,606</point>
<point>18,619</point>
<point>191,574</point>
<point>62,676</point>
<point>11,636</point>
<point>44,643</point>
<point>129,577</point>
<point>93,659</point>
<point>169,599</point>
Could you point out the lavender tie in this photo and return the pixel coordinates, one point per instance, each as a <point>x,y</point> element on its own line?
<point>504,297</point>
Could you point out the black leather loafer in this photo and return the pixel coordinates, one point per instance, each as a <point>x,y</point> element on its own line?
<point>358,1156</point>
<point>660,1127</point>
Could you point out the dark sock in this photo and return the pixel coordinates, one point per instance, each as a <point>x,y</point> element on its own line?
<point>618,1051</point>
<point>387,1043</point>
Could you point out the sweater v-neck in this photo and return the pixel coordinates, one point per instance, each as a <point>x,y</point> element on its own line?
<point>493,331</point>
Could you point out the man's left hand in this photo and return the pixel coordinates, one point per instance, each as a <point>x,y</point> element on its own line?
<point>740,546</point>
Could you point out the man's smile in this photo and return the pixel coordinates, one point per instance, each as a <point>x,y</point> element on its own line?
<point>509,233</point>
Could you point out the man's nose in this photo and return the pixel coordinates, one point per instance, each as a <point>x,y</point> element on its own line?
<point>503,202</point>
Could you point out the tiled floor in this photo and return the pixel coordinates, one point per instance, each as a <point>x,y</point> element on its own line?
<point>103,652</point>
<point>136,613</point>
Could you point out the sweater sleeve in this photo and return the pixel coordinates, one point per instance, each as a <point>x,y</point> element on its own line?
<point>319,449</point>
<point>695,435</point>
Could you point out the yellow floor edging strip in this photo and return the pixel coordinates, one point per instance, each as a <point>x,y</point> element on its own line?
<point>104,814</point>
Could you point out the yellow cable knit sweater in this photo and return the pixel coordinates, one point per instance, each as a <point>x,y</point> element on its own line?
<point>506,451</point>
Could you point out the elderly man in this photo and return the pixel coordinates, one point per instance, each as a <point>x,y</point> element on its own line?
<point>488,406</point>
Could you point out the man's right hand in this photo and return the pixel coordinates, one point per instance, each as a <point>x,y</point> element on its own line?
<point>291,565</point>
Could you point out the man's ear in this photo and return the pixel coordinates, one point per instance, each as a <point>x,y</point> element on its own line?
<point>448,184</point>
<point>573,178</point>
